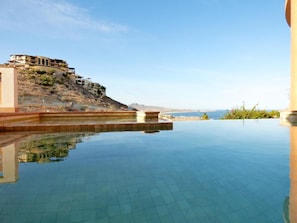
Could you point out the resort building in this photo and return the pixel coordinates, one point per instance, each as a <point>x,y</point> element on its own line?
<point>36,61</point>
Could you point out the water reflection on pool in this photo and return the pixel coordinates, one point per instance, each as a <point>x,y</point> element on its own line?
<point>206,171</point>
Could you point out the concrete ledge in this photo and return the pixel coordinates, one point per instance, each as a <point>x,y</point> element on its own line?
<point>17,117</point>
<point>86,116</point>
<point>7,109</point>
<point>147,116</point>
<point>288,118</point>
<point>80,122</point>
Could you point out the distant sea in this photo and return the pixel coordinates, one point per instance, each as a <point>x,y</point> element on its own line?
<point>216,115</point>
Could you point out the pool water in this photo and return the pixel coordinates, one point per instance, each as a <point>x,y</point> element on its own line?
<point>203,171</point>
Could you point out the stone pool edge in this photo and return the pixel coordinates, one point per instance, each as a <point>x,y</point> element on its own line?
<point>102,121</point>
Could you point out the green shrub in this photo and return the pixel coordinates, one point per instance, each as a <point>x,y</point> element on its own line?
<point>204,116</point>
<point>46,80</point>
<point>254,113</point>
<point>41,71</point>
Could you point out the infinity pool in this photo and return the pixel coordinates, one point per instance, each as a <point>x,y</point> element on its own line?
<point>203,171</point>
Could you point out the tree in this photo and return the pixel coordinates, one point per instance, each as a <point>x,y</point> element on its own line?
<point>204,116</point>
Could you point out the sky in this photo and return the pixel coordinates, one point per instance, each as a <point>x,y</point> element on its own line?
<point>187,54</point>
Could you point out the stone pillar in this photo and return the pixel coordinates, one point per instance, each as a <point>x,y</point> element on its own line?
<point>8,90</point>
<point>293,175</point>
<point>291,17</point>
<point>290,117</point>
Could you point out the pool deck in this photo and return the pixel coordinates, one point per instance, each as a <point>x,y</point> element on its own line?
<point>82,122</point>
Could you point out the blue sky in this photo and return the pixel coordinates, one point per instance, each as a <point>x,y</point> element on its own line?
<point>196,54</point>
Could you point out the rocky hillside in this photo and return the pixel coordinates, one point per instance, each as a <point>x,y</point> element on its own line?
<point>45,91</point>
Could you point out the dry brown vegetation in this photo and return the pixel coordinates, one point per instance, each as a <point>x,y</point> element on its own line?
<point>57,92</point>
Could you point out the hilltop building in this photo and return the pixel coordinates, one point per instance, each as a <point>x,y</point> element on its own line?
<point>38,61</point>
<point>59,66</point>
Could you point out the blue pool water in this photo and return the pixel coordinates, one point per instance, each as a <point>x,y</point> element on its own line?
<point>208,171</point>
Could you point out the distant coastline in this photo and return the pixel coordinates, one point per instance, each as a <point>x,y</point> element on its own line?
<point>189,110</point>
<point>142,107</point>
<point>193,115</point>
<point>173,114</point>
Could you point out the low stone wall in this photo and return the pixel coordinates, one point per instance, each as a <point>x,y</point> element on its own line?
<point>82,121</point>
<point>288,118</point>
<point>147,116</point>
<point>87,116</point>
<point>10,118</point>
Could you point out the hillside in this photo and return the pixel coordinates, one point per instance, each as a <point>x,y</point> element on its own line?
<point>58,92</point>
